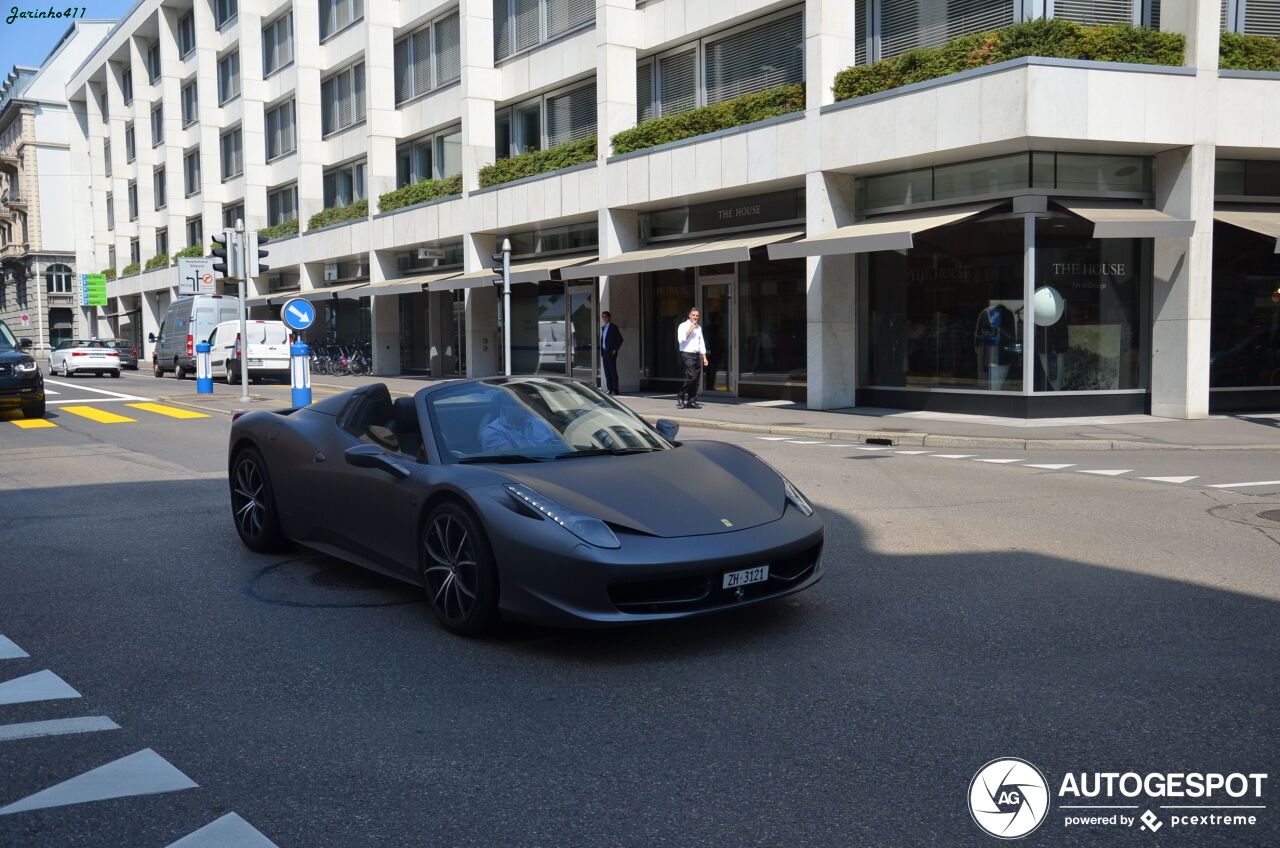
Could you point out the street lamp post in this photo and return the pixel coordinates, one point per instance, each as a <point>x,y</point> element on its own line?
<point>506,305</point>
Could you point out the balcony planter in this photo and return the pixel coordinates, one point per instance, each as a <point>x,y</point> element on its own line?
<point>1240,52</point>
<point>109,273</point>
<point>193,250</point>
<point>284,229</point>
<point>1056,39</point>
<point>747,109</point>
<point>157,261</point>
<point>539,162</point>
<point>131,269</point>
<point>339,215</point>
<point>420,192</point>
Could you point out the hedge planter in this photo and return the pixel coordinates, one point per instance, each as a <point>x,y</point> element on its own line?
<point>193,250</point>
<point>109,273</point>
<point>737,112</point>
<point>130,269</point>
<point>157,261</point>
<point>339,214</point>
<point>420,192</point>
<point>280,230</point>
<point>1249,52</point>
<point>539,162</point>
<point>1056,39</point>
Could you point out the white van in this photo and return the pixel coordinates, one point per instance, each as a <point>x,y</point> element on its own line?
<point>188,321</point>
<point>268,352</point>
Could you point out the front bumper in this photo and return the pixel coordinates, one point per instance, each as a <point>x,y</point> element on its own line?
<point>18,392</point>
<point>548,575</point>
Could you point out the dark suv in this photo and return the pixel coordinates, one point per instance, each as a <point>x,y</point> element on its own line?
<point>21,383</point>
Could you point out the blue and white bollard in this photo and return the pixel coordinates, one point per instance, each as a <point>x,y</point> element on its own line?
<point>300,373</point>
<point>204,374</point>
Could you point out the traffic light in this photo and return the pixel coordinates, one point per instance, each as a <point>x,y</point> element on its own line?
<point>227,259</point>
<point>255,252</point>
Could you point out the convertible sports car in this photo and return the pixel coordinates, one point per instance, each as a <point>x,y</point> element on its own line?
<point>536,499</point>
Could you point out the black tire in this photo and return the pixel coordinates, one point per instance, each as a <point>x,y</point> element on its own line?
<point>253,504</point>
<point>34,411</point>
<point>458,571</point>
<point>156,370</point>
<point>230,375</point>
<point>115,375</point>
<point>178,373</point>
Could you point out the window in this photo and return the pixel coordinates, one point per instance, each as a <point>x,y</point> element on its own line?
<point>229,77</point>
<point>195,232</point>
<point>342,100</point>
<point>277,44</point>
<point>280,130</point>
<point>135,251</point>
<point>133,200</point>
<point>130,143</point>
<point>111,257</point>
<point>337,15</point>
<point>157,125</point>
<point>189,104</point>
<point>191,171</point>
<point>521,24</point>
<point>111,211</point>
<point>159,185</point>
<point>432,157</point>
<point>1095,11</point>
<point>223,11</point>
<point>427,58</point>
<point>570,115</point>
<point>282,205</point>
<point>126,86</point>
<point>344,185</point>
<point>57,279</point>
<point>106,156</point>
<point>231,214</point>
<point>153,62</point>
<point>232,154</point>
<point>186,34</point>
<point>162,241</point>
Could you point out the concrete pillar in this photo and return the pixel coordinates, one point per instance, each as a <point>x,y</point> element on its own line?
<point>154,304</point>
<point>1199,21</point>
<point>620,294</point>
<point>383,124</point>
<point>385,316</point>
<point>311,148</point>
<point>483,339</point>
<point>442,335</point>
<point>481,89</point>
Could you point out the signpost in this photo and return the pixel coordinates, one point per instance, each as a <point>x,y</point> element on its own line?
<point>93,290</point>
<point>298,314</point>
<point>196,275</point>
<point>25,319</point>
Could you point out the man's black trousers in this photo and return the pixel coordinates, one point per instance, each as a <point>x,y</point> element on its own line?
<point>692,376</point>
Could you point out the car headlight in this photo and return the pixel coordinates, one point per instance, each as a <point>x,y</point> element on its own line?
<point>796,499</point>
<point>25,366</point>
<point>593,531</point>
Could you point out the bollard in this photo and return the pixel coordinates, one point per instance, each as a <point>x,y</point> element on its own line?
<point>204,374</point>
<point>300,373</point>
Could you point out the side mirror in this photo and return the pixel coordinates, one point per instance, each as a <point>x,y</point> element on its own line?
<point>372,456</point>
<point>25,343</point>
<point>667,428</point>
<point>151,337</point>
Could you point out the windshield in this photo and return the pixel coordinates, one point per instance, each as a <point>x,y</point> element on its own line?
<point>264,333</point>
<point>114,344</point>
<point>534,420</point>
<point>7,341</point>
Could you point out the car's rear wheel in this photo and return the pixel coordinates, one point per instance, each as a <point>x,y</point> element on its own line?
<point>458,571</point>
<point>178,373</point>
<point>253,503</point>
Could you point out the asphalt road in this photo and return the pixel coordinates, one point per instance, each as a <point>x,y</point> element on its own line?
<point>970,610</point>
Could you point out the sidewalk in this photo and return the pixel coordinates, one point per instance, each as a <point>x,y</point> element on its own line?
<point>923,429</point>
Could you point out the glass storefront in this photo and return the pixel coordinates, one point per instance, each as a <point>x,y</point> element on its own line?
<point>345,322</point>
<point>554,328</point>
<point>1244,341</point>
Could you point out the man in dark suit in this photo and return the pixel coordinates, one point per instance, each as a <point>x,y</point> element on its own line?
<point>610,344</point>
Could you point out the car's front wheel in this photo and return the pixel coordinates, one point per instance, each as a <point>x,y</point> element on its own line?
<point>35,410</point>
<point>253,503</point>
<point>458,571</point>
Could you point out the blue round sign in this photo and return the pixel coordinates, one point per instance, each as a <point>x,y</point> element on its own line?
<point>298,314</point>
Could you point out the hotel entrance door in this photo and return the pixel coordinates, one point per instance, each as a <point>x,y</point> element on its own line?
<point>716,285</point>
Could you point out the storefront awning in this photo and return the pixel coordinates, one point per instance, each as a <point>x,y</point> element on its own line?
<point>270,298</point>
<point>1111,221</point>
<point>1264,222</point>
<point>409,285</point>
<point>530,271</point>
<point>893,233</point>
<point>327,292</point>
<point>682,255</point>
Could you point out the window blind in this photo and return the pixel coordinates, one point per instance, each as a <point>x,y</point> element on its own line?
<point>422,60</point>
<point>501,29</point>
<point>911,24</point>
<point>571,116</point>
<point>1094,11</point>
<point>564,15</point>
<point>403,79</point>
<point>644,92</point>
<point>527,24</point>
<point>861,28</point>
<point>678,83</point>
<point>448,55</point>
<point>357,83</point>
<point>756,59</point>
<point>1262,17</point>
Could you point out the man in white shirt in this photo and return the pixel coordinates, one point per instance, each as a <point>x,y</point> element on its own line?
<point>693,352</point>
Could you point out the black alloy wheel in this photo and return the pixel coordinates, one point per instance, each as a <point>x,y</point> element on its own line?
<point>253,504</point>
<point>458,571</point>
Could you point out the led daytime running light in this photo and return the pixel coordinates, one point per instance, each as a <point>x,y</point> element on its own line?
<point>593,531</point>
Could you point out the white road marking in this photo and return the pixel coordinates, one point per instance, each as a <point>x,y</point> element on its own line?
<point>842,446</point>
<point>143,773</point>
<point>51,392</point>
<point>999,461</point>
<point>1171,479</point>
<point>1238,485</point>
<point>773,438</point>
<point>911,453</point>
<point>1111,472</point>
<point>1054,467</point>
<point>39,686</point>
<point>111,396</point>
<point>871,447</point>
<point>230,831</point>
<point>56,727</point>
<point>801,442</point>
<point>954,455</point>
<point>10,651</point>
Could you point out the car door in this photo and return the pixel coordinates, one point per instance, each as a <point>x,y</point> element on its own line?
<point>217,357</point>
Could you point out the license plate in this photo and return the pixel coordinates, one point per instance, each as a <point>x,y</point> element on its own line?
<point>255,363</point>
<point>746,576</point>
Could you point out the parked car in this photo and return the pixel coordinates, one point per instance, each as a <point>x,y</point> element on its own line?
<point>189,320</point>
<point>538,499</point>
<point>77,356</point>
<point>268,350</point>
<point>128,352</point>
<point>21,383</point>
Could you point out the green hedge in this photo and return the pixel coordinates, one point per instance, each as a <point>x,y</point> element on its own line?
<point>1249,52</point>
<point>1051,38</point>
<point>130,269</point>
<point>746,109</point>
<point>539,162</point>
<point>109,273</point>
<point>280,230</point>
<point>157,261</point>
<point>339,214</point>
<point>193,250</point>
<point>420,192</point>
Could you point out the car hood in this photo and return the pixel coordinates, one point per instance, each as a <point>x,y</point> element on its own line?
<point>699,488</point>
<point>8,357</point>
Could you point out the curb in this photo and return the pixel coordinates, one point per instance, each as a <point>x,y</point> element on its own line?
<point>189,405</point>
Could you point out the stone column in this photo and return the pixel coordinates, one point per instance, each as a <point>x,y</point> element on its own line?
<point>481,89</point>
<point>385,316</point>
<point>307,59</point>
<point>483,308</point>
<point>620,294</point>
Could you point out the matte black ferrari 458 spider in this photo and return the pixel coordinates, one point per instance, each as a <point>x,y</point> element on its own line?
<point>527,498</point>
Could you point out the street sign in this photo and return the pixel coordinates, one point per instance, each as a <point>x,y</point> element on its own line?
<point>25,319</point>
<point>195,275</point>
<point>93,290</point>
<point>430,253</point>
<point>298,314</point>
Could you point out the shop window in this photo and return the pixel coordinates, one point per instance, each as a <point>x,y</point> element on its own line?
<point>1246,178</point>
<point>772,322</point>
<point>277,44</point>
<point>342,100</point>
<point>521,24</point>
<point>1244,329</point>
<point>428,58</point>
<point>668,296</point>
<point>538,329</point>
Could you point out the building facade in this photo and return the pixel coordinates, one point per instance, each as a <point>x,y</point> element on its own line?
<point>1030,238</point>
<point>37,244</point>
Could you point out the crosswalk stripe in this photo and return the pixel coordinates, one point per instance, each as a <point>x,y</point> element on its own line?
<point>842,446</point>
<point>910,452</point>
<point>33,423</point>
<point>772,438</point>
<point>99,415</point>
<point>1239,485</point>
<point>1110,472</point>
<point>1172,479</point>
<point>38,686</point>
<point>56,727</point>
<point>999,461</point>
<point>171,411</point>
<point>230,831</point>
<point>10,651</point>
<point>871,447</point>
<point>799,442</point>
<point>953,456</point>
<point>141,773</point>
<point>1057,467</point>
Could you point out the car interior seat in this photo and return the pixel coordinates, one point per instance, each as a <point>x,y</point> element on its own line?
<point>406,426</point>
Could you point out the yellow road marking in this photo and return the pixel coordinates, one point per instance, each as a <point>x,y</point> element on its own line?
<point>171,411</point>
<point>99,415</point>
<point>33,423</point>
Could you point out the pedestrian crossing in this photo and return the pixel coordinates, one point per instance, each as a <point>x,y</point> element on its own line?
<point>118,415</point>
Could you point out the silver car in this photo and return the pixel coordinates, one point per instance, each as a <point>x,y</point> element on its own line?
<point>77,356</point>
